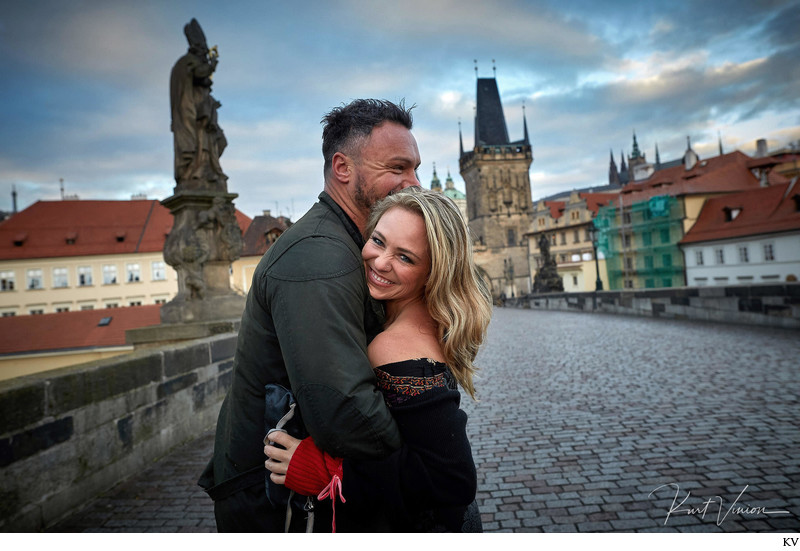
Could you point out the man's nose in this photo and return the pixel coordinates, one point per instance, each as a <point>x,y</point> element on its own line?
<point>413,180</point>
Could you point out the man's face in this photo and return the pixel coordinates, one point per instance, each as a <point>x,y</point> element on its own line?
<point>387,163</point>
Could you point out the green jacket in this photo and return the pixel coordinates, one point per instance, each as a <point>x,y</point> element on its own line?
<point>306,325</point>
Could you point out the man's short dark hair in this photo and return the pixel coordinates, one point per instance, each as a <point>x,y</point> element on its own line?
<point>345,126</point>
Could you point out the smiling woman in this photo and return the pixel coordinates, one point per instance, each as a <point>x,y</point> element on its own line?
<point>418,260</point>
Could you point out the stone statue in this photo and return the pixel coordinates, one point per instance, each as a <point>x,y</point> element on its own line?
<point>547,279</point>
<point>205,236</point>
<point>199,141</point>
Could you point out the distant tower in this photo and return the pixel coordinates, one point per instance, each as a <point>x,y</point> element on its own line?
<point>690,158</point>
<point>436,184</point>
<point>14,199</point>
<point>498,189</point>
<point>613,174</point>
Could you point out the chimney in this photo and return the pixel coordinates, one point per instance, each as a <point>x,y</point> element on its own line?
<point>267,212</point>
<point>761,148</point>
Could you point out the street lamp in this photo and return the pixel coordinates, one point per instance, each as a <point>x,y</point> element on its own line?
<point>594,233</point>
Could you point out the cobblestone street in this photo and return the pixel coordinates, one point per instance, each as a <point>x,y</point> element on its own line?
<point>586,423</point>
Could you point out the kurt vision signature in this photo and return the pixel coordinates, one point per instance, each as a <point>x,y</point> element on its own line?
<point>677,506</point>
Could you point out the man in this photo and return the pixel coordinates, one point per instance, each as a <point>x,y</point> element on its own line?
<point>309,318</point>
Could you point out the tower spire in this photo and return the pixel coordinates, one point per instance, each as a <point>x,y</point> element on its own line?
<point>719,137</point>
<point>613,174</point>
<point>658,158</point>
<point>460,141</point>
<point>525,125</point>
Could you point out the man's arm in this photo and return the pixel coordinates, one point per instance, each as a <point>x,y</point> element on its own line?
<point>317,295</point>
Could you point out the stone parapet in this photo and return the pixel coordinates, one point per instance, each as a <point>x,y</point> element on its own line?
<point>70,434</point>
<point>771,305</point>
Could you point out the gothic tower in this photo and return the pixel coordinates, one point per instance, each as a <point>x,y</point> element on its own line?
<point>498,190</point>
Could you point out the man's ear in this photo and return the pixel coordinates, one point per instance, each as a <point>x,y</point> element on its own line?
<point>342,167</point>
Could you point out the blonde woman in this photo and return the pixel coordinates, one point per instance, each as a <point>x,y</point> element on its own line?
<point>418,261</point>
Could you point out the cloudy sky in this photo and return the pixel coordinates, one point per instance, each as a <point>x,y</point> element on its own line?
<point>84,94</point>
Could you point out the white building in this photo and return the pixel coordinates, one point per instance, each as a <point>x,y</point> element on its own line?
<point>745,238</point>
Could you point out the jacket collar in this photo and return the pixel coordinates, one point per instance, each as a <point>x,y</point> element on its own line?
<point>349,225</point>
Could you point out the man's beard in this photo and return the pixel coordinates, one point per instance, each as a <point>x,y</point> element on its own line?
<point>365,195</point>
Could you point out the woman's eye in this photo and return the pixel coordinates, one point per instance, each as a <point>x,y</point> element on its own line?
<point>377,241</point>
<point>406,259</point>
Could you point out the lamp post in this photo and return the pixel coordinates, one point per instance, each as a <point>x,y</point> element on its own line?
<point>598,284</point>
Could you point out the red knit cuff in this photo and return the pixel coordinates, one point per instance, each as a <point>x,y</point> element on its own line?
<point>311,470</point>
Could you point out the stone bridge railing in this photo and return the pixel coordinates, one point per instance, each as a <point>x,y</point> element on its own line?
<point>70,434</point>
<point>773,305</point>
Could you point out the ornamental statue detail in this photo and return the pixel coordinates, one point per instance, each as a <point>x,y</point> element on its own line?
<point>205,236</point>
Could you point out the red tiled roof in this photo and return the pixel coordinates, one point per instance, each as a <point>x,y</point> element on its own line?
<point>46,228</point>
<point>722,174</point>
<point>765,210</point>
<point>556,208</point>
<point>255,238</point>
<point>73,330</point>
<point>596,200</point>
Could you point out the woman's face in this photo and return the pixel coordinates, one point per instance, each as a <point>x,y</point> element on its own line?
<point>397,257</point>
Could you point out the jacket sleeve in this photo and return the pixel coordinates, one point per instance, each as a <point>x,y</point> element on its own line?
<point>434,467</point>
<point>317,293</point>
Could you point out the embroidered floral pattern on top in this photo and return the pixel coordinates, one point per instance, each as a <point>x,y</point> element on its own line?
<point>399,388</point>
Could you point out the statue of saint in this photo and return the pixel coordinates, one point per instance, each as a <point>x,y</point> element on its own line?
<point>199,141</point>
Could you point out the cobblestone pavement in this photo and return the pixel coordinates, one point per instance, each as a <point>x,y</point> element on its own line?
<point>586,423</point>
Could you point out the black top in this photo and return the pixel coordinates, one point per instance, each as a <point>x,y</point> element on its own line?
<point>430,483</point>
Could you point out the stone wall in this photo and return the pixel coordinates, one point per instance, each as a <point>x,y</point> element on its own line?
<point>70,434</point>
<point>774,305</point>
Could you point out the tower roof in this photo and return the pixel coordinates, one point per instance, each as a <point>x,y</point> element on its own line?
<point>490,123</point>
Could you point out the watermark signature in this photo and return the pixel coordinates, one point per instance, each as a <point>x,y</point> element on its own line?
<point>679,506</point>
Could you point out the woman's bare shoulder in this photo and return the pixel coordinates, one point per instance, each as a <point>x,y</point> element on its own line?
<point>403,343</point>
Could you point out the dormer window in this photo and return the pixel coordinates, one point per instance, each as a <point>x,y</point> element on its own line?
<point>72,237</point>
<point>120,236</point>
<point>20,238</point>
<point>731,213</point>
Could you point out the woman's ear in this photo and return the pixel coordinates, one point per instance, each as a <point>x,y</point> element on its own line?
<point>342,167</point>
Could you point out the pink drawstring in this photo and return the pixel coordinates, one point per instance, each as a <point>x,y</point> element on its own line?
<point>333,490</point>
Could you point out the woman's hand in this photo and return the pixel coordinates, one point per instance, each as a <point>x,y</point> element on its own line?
<point>278,459</point>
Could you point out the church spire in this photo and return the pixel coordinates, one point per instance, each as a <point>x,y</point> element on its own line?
<point>635,154</point>
<point>436,184</point>
<point>622,166</point>
<point>719,137</point>
<point>658,158</point>
<point>613,174</point>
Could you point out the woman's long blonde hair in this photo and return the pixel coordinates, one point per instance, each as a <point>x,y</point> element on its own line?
<point>456,295</point>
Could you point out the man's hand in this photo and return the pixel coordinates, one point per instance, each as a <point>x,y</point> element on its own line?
<point>278,459</point>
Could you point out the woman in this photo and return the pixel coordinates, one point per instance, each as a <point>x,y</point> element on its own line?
<point>418,261</point>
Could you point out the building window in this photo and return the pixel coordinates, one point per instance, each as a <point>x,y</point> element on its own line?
<point>769,252</point>
<point>563,238</point>
<point>698,258</point>
<point>135,303</point>
<point>109,274</point>
<point>37,312</point>
<point>576,236</point>
<point>744,257</point>
<point>649,283</point>
<point>133,272</point>
<point>665,236</point>
<point>160,301</point>
<point>575,281</point>
<point>87,307</point>
<point>60,278</point>
<point>84,276</point>
<point>562,258</point>
<point>112,305</point>
<point>628,263</point>
<point>34,277</point>
<point>626,240</point>
<point>648,263</point>
<point>667,261</point>
<point>7,281</point>
<point>9,314</point>
<point>553,240</point>
<point>588,235</point>
<point>512,240</point>
<point>720,255</point>
<point>60,309</point>
<point>647,239</point>
<point>159,271</point>
<point>666,282</point>
<point>629,284</point>
<point>626,217</point>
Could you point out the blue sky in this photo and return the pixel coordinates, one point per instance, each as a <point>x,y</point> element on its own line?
<point>85,89</point>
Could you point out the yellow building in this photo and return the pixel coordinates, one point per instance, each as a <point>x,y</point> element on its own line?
<point>261,233</point>
<point>58,256</point>
<point>567,224</point>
